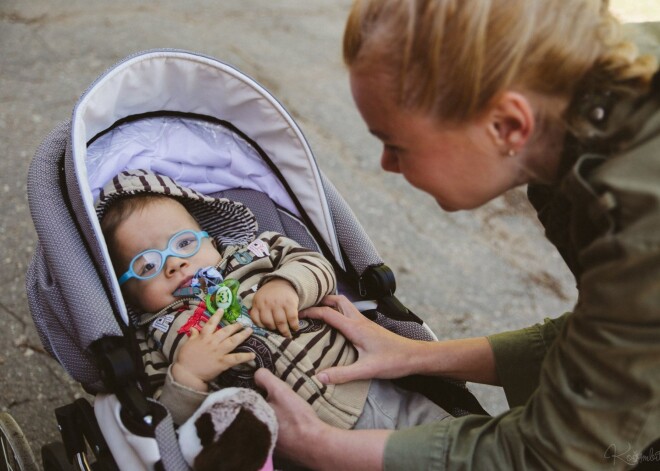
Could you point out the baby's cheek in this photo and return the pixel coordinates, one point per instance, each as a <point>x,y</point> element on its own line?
<point>155,299</point>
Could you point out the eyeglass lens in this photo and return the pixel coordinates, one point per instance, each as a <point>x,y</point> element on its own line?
<point>150,262</point>
<point>147,263</point>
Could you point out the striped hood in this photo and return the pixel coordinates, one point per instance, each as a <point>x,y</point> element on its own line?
<point>228,222</point>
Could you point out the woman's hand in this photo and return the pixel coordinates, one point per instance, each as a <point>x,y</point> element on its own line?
<point>303,438</point>
<point>382,354</point>
<point>206,353</point>
<point>298,425</point>
<point>275,306</point>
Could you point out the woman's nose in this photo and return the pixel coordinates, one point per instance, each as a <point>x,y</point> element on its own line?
<point>389,162</point>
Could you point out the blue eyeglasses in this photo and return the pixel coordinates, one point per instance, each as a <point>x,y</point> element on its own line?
<point>149,263</point>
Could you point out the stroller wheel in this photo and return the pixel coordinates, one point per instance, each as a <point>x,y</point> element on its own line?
<point>53,457</point>
<point>16,454</point>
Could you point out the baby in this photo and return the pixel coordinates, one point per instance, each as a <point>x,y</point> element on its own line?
<point>174,275</point>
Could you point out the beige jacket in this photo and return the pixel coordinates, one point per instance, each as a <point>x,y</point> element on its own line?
<point>314,347</point>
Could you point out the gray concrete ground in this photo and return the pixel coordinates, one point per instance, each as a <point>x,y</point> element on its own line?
<point>481,272</point>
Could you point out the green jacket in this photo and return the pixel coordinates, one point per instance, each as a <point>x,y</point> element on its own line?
<point>584,389</point>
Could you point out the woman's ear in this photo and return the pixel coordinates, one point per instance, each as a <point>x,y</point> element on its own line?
<point>511,122</point>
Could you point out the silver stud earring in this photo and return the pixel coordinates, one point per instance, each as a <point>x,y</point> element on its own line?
<point>511,153</point>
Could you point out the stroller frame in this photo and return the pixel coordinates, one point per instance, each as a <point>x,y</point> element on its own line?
<point>99,351</point>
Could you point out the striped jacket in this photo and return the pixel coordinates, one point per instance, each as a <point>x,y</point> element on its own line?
<point>315,346</point>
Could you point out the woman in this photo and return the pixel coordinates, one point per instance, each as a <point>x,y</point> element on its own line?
<point>470,99</point>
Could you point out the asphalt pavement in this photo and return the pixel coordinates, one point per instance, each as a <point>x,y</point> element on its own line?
<point>467,273</point>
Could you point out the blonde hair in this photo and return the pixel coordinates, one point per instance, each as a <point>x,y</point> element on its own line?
<point>451,58</point>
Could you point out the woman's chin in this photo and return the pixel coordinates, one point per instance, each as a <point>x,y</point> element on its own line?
<point>446,206</point>
<point>465,204</point>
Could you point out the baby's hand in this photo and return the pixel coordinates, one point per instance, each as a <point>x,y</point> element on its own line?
<point>206,354</point>
<point>275,306</point>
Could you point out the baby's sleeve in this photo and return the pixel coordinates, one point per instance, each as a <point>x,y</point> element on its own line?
<point>159,342</point>
<point>179,400</point>
<point>311,274</point>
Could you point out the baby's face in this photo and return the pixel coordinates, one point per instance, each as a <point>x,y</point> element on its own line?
<point>151,228</point>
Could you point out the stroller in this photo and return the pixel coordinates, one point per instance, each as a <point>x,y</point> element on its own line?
<point>214,129</point>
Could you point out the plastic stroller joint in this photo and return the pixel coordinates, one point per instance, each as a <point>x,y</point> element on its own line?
<point>377,281</point>
<point>119,375</point>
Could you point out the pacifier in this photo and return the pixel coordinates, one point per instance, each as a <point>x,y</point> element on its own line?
<point>225,297</point>
<point>205,280</point>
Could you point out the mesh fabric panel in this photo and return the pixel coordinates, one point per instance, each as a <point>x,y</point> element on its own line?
<point>353,239</point>
<point>66,297</point>
<point>411,330</point>
<point>47,303</point>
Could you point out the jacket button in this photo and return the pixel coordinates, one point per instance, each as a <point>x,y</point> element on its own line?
<point>580,388</point>
<point>607,201</point>
<point>597,114</point>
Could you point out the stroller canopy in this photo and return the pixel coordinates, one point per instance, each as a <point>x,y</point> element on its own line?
<point>176,83</point>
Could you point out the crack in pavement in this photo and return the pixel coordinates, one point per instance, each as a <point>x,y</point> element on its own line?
<point>17,317</point>
<point>15,17</point>
<point>21,402</point>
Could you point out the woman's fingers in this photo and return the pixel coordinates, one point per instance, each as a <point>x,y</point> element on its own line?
<point>274,386</point>
<point>333,305</point>
<point>295,416</point>
<point>341,304</point>
<point>325,314</point>
<point>343,374</point>
<point>280,395</point>
<point>381,353</point>
<point>266,380</point>
<point>333,318</point>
